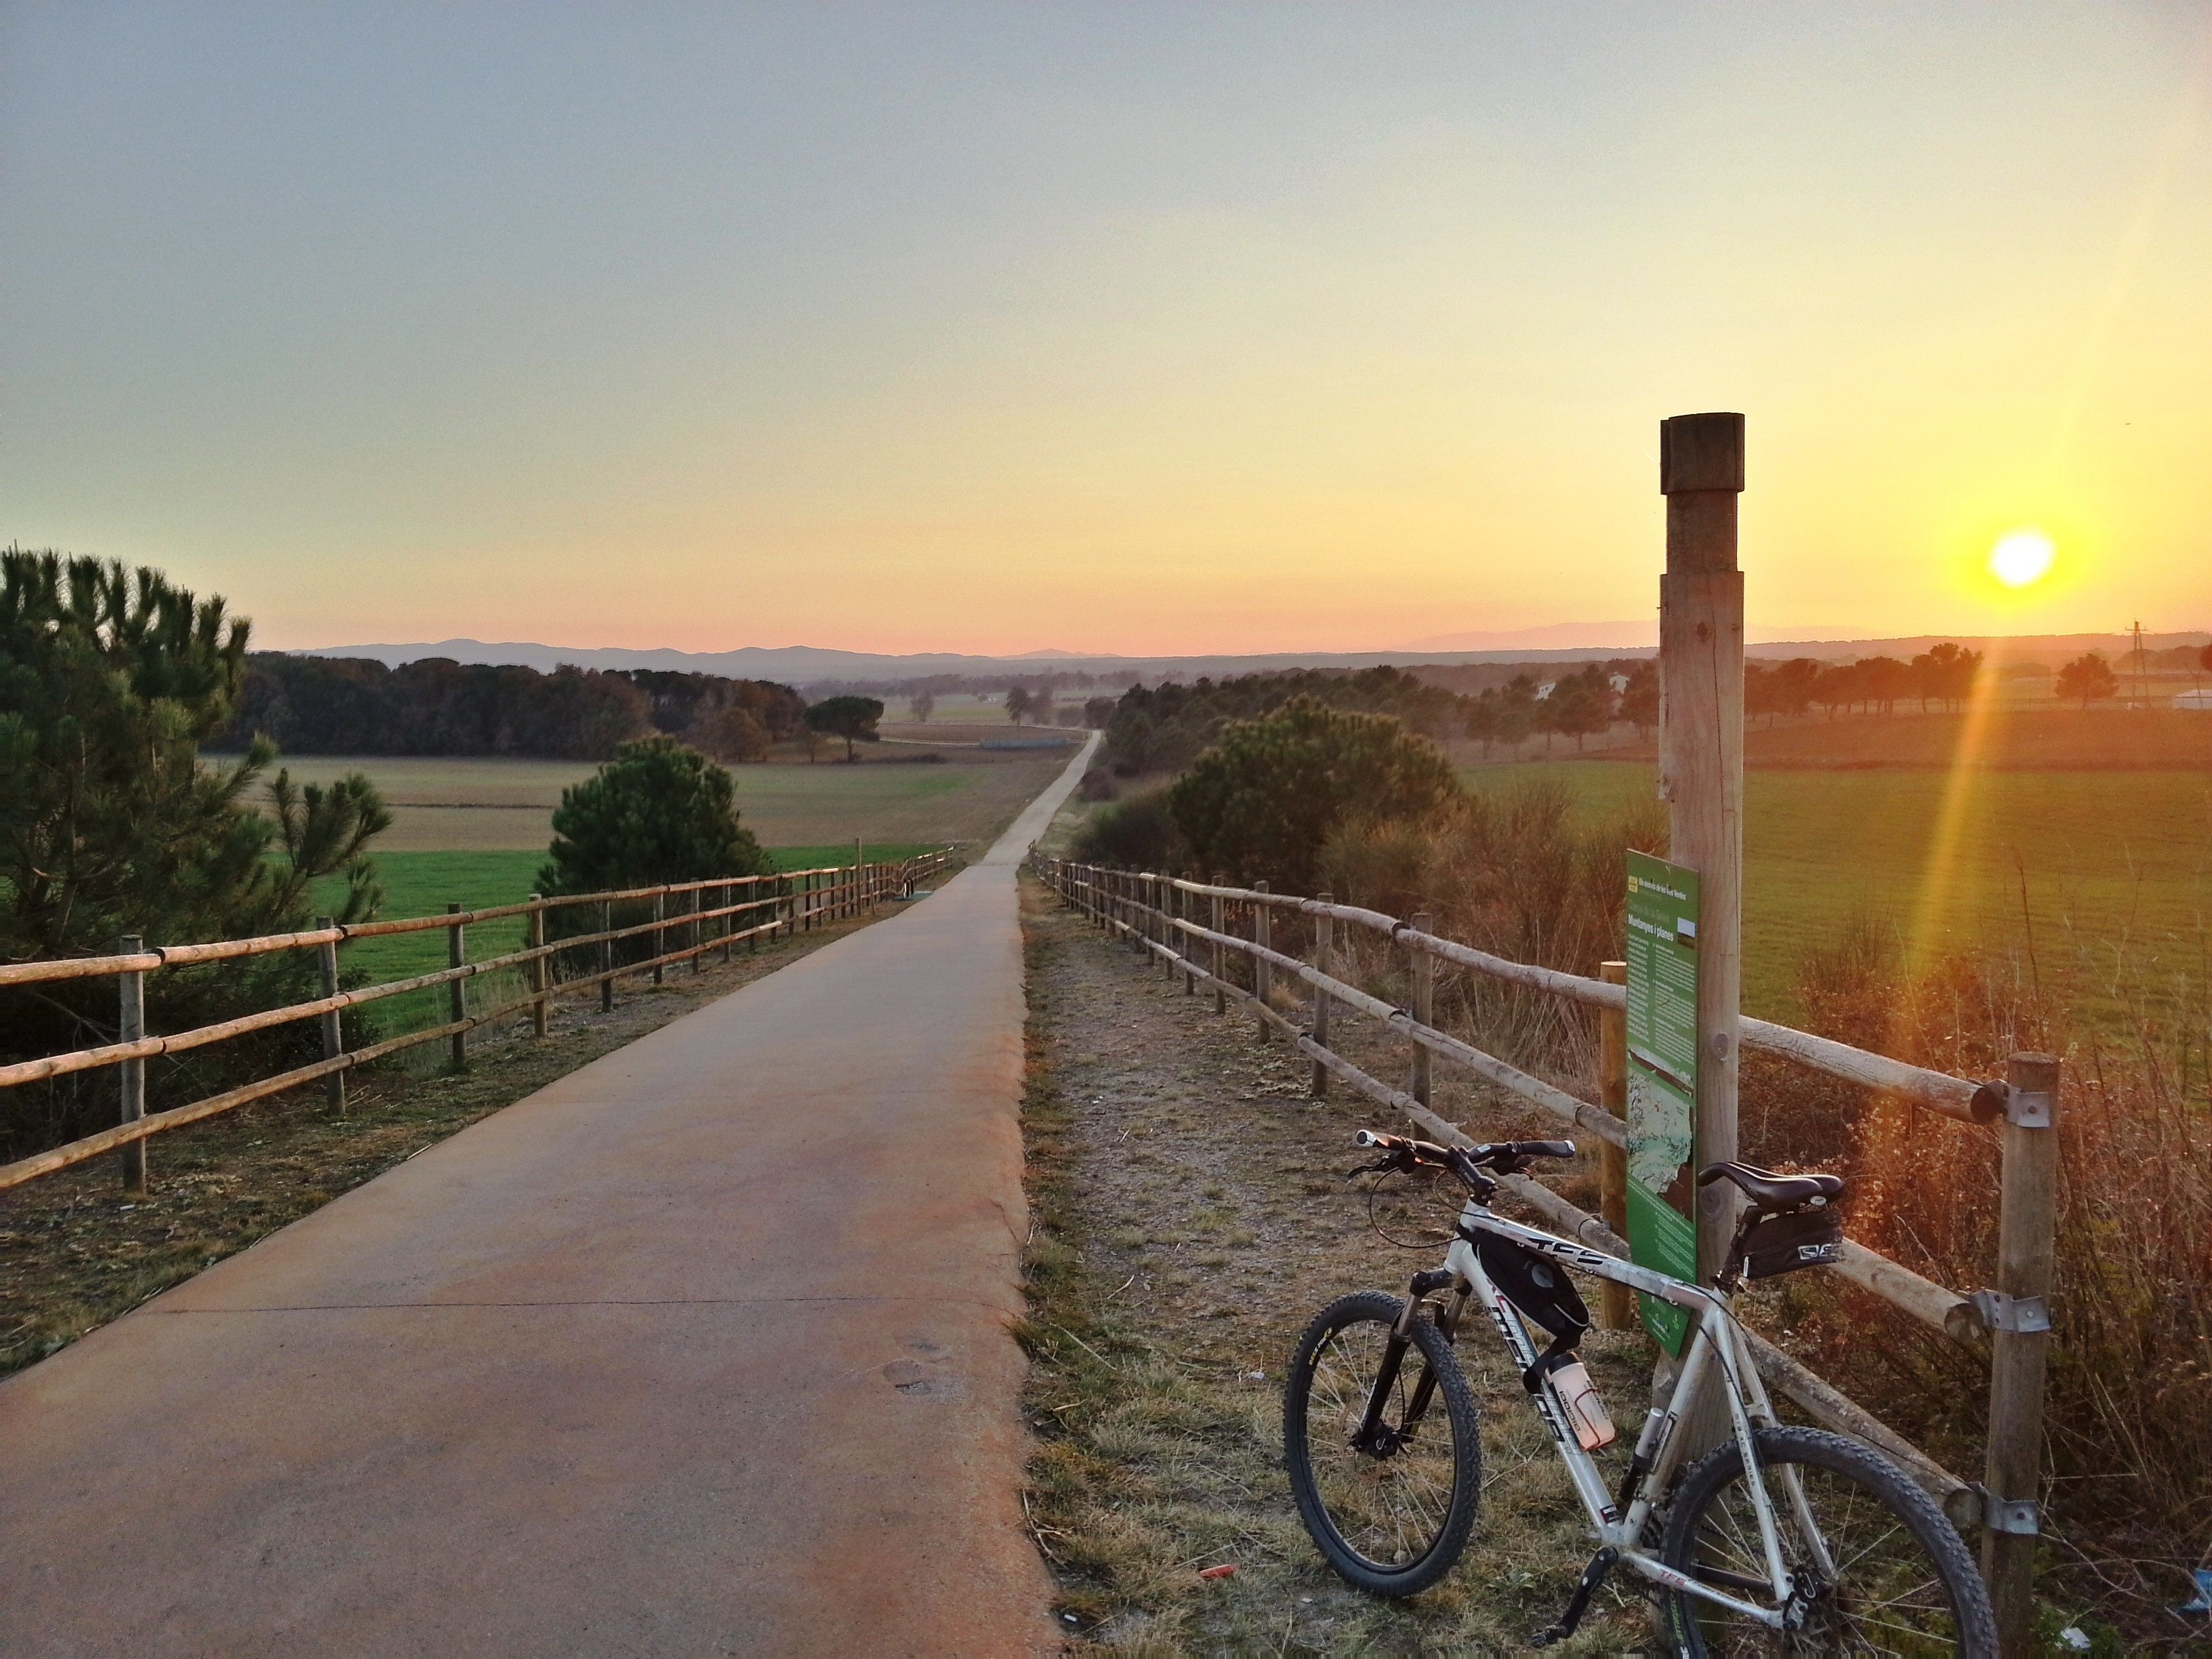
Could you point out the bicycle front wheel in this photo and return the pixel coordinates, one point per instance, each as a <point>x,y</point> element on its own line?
<point>1391,1511</point>
<point>1886,1573</point>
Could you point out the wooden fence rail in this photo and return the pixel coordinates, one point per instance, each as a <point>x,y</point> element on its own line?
<point>784,902</point>
<point>1148,909</point>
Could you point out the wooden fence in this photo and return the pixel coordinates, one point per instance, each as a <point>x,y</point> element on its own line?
<point>1155,913</point>
<point>747,908</point>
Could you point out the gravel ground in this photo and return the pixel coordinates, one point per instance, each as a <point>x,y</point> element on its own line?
<point>1191,1215</point>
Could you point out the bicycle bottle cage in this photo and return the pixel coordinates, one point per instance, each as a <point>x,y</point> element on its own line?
<point>1539,1291</point>
<point>1798,1238</point>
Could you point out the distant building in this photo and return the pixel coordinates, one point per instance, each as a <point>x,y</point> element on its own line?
<point>2194,700</point>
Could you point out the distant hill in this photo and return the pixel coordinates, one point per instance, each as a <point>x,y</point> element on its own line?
<point>807,665</point>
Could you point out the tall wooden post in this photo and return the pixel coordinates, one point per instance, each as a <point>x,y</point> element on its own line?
<point>1262,980</point>
<point>1324,961</point>
<point>1616,1303</point>
<point>2021,1340</point>
<point>1425,1008</point>
<point>606,958</point>
<point>456,990</point>
<point>1220,991</point>
<point>1701,763</point>
<point>326,966</point>
<point>130,1026</point>
<point>541,968</point>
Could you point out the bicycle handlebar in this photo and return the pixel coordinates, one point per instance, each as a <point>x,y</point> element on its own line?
<point>1507,1156</point>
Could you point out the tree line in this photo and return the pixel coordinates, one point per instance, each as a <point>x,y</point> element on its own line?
<point>435,706</point>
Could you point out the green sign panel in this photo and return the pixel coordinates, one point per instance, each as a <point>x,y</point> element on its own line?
<point>1663,1080</point>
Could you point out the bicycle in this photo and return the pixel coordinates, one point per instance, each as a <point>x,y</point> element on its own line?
<point>1854,1557</point>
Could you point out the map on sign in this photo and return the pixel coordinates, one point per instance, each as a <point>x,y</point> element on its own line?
<point>1663,1080</point>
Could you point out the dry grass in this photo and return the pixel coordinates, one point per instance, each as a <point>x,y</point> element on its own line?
<point>1190,1216</point>
<point>2129,1407</point>
<point>75,1252</point>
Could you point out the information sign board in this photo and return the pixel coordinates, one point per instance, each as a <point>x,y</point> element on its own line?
<point>1663,1080</point>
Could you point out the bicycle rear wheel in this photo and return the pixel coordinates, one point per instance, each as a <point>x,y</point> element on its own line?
<point>1391,1515</point>
<point>1902,1583</point>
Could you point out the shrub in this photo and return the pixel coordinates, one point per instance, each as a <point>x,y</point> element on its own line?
<point>1259,805</point>
<point>1137,834</point>
<point>2129,1407</point>
<point>657,812</point>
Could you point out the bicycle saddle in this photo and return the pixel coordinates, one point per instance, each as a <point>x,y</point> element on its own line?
<point>1769,1191</point>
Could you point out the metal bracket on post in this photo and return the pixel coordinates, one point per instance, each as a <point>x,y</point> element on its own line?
<point>2024,1109</point>
<point>2023,1315</point>
<point>1976,1506</point>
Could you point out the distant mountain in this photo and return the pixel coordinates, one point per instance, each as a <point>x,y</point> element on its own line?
<point>808,665</point>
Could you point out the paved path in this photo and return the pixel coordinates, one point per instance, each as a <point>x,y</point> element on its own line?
<point>701,1350</point>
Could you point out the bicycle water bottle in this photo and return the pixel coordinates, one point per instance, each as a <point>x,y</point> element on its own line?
<point>1586,1413</point>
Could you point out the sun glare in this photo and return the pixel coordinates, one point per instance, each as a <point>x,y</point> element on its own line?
<point>2021,556</point>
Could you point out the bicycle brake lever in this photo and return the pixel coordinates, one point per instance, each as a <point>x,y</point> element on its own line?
<point>1379,1165</point>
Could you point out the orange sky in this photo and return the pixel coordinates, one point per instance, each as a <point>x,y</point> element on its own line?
<point>1130,329</point>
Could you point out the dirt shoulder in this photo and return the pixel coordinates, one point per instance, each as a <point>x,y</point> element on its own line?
<point>1190,1214</point>
<point>74,1252</point>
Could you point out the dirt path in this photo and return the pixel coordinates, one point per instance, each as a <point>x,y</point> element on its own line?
<point>1192,1216</point>
<point>702,1349</point>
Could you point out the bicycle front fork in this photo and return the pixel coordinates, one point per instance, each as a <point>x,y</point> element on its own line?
<point>1370,1437</point>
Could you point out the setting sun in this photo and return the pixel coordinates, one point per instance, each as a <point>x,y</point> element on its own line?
<point>2021,556</point>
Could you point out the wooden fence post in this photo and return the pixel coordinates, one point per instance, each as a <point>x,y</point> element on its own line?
<point>659,936</point>
<point>541,967</point>
<point>859,870</point>
<point>1701,764</point>
<point>130,1026</point>
<point>1323,964</point>
<point>326,965</point>
<point>1424,1007</point>
<point>1220,993</point>
<point>2020,1342</point>
<point>1616,1303</point>
<point>457,991</point>
<point>1184,907</point>
<point>1262,980</point>
<point>606,958</point>
<point>728,903</point>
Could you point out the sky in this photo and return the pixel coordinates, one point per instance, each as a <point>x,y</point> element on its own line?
<point>1144,329</point>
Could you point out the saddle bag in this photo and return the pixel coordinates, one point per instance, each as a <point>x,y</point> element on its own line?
<point>1784,1243</point>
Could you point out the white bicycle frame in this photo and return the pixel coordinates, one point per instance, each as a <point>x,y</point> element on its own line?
<point>1715,1346</point>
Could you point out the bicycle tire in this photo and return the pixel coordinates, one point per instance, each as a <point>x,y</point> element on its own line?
<point>1321,1497</point>
<point>1956,1595</point>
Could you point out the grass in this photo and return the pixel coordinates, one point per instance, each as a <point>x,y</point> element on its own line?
<point>2115,868</point>
<point>423,883</point>
<point>467,804</point>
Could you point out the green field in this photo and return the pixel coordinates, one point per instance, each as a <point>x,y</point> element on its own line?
<point>424,883</point>
<point>441,804</point>
<point>2108,874</point>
